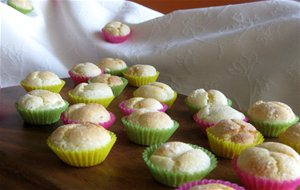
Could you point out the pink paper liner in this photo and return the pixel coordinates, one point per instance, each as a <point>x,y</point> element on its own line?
<point>205,124</point>
<point>79,79</point>
<point>189,185</point>
<point>128,111</point>
<point>253,182</point>
<point>106,124</point>
<point>114,39</point>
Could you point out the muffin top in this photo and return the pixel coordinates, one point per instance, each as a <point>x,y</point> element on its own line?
<point>156,90</point>
<point>151,119</point>
<point>180,157</point>
<point>292,134</point>
<point>112,64</point>
<point>41,100</point>
<point>95,113</point>
<point>216,113</point>
<point>233,130</point>
<point>201,98</point>
<point>42,78</point>
<point>108,79</point>
<point>78,137</point>
<point>86,69</point>
<point>137,103</point>
<point>270,160</point>
<point>211,186</point>
<point>93,90</point>
<point>271,112</point>
<point>141,70</point>
<point>117,28</point>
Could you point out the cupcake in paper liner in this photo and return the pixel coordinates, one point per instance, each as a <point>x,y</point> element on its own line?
<point>228,138</point>
<point>170,163</point>
<point>149,127</point>
<point>99,93</point>
<point>113,66</point>
<point>116,32</point>
<point>269,165</point>
<point>24,6</point>
<point>271,118</point>
<point>139,103</point>
<point>291,137</point>
<point>94,113</point>
<point>41,107</point>
<point>116,83</point>
<point>81,145</point>
<point>159,91</point>
<point>82,72</point>
<point>210,115</point>
<point>199,98</point>
<point>139,75</point>
<point>43,80</point>
<point>210,184</point>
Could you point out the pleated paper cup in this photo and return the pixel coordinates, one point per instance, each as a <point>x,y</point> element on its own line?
<point>138,81</point>
<point>53,88</point>
<point>114,39</point>
<point>189,185</point>
<point>118,89</point>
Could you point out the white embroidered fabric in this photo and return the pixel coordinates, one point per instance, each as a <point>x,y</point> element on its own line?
<point>249,51</point>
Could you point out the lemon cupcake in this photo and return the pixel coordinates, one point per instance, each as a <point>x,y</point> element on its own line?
<point>41,107</point>
<point>269,165</point>
<point>159,91</point>
<point>94,113</point>
<point>82,72</point>
<point>210,184</point>
<point>44,80</point>
<point>99,93</point>
<point>113,66</point>
<point>138,75</point>
<point>149,127</point>
<point>175,163</point>
<point>116,83</point>
<point>116,32</point>
<point>81,145</point>
<point>228,138</point>
<point>291,137</point>
<point>199,98</point>
<point>271,118</point>
<point>139,103</point>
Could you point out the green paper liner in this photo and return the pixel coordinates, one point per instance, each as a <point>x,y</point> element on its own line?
<point>194,109</point>
<point>138,81</point>
<point>22,10</point>
<point>146,136</point>
<point>117,90</point>
<point>272,129</point>
<point>77,99</point>
<point>175,179</point>
<point>41,117</point>
<point>229,149</point>
<point>284,140</point>
<point>84,158</point>
<point>53,88</point>
<point>116,72</point>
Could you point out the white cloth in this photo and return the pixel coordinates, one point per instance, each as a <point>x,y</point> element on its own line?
<point>249,51</point>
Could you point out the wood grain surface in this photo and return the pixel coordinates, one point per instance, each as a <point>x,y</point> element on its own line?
<point>27,162</point>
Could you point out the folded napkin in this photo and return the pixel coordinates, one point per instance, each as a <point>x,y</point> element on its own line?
<point>248,51</point>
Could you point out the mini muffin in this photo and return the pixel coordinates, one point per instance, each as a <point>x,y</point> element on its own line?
<point>24,6</point>
<point>149,127</point>
<point>158,91</point>
<point>116,83</point>
<point>81,145</point>
<point>94,113</point>
<point>44,80</point>
<point>212,114</point>
<point>175,163</point>
<point>291,137</point>
<point>200,98</point>
<point>116,32</point>
<point>41,107</point>
<point>210,184</point>
<point>269,165</point>
<point>112,66</point>
<point>82,72</point>
<point>138,75</point>
<point>271,118</point>
<point>229,137</point>
<point>99,93</point>
<point>139,103</point>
